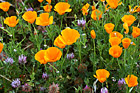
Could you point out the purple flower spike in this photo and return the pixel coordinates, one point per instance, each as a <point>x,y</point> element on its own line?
<point>22,59</point>
<point>26,88</point>
<point>87,89</point>
<point>104,90</point>
<point>70,56</point>
<point>15,83</point>
<point>45,76</point>
<point>81,23</point>
<point>9,60</point>
<point>30,9</point>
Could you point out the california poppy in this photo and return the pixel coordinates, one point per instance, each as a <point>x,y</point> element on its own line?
<point>30,16</point>
<point>62,7</point>
<point>44,20</point>
<point>125,26</point>
<point>40,1</point>
<point>115,34</point>
<point>135,9</point>
<point>69,36</point>
<point>47,8</point>
<point>11,21</point>
<point>49,1</point>
<point>115,41</point>
<point>93,7</point>
<point>131,80</point>
<point>102,75</point>
<point>93,34</point>
<point>109,27</point>
<point>52,54</point>
<point>85,9</point>
<point>1,47</point>
<point>96,14</point>
<point>115,51</point>
<point>113,3</point>
<point>59,43</point>
<point>39,56</point>
<point>136,32</point>
<point>129,19</point>
<point>5,6</point>
<point>126,42</point>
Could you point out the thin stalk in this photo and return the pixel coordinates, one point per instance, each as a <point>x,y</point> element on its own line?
<point>119,63</point>
<point>61,23</point>
<point>94,65</point>
<point>5,78</point>
<point>124,57</point>
<point>64,58</point>
<point>79,44</point>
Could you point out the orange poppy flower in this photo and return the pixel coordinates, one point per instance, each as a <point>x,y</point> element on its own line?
<point>69,36</point>
<point>126,42</point>
<point>59,43</point>
<point>136,32</point>
<point>96,13</point>
<point>30,16</point>
<point>93,7</point>
<point>5,6</point>
<point>109,27</point>
<point>1,47</point>
<point>113,3</point>
<point>125,26</point>
<point>116,34</point>
<point>44,20</point>
<point>52,54</point>
<point>114,41</point>
<point>115,51</point>
<point>49,1</point>
<point>47,8</point>
<point>131,80</point>
<point>102,75</point>
<point>11,21</point>
<point>129,19</point>
<point>138,9</point>
<point>39,56</point>
<point>85,9</point>
<point>93,34</point>
<point>62,7</point>
<point>40,1</point>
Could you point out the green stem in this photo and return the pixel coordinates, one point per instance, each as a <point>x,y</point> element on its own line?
<point>79,44</point>
<point>52,67</point>
<point>124,57</point>
<point>94,64</point>
<point>61,23</point>
<point>64,58</point>
<point>119,63</point>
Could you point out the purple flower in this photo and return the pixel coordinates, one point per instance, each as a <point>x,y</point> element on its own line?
<point>45,76</point>
<point>87,89</point>
<point>26,88</point>
<point>42,89</point>
<point>22,59</point>
<point>0,25</point>
<point>104,90</point>
<point>53,88</point>
<point>30,9</point>
<point>70,56</point>
<point>81,22</point>
<point>121,83</point>
<point>9,60</point>
<point>15,83</point>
